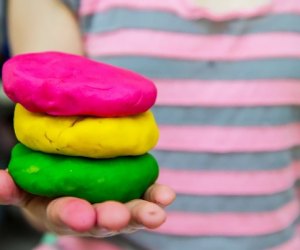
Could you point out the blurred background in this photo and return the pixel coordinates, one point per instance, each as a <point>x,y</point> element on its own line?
<point>15,232</point>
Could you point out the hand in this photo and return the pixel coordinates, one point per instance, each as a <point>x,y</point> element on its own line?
<point>74,216</point>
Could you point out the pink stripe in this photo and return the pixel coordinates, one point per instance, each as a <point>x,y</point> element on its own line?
<point>289,6</point>
<point>186,8</point>
<point>234,93</point>
<point>184,46</point>
<point>179,7</point>
<point>228,139</point>
<point>227,224</point>
<point>230,182</point>
<point>77,243</point>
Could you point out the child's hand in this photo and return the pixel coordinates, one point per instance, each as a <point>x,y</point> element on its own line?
<point>74,216</point>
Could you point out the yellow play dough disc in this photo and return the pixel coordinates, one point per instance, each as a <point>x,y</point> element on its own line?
<point>86,136</point>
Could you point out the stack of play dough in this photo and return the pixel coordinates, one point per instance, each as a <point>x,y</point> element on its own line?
<point>84,128</point>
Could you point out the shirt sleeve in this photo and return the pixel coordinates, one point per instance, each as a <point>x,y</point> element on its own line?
<point>72,4</point>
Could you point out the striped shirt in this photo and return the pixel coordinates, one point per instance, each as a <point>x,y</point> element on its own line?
<point>228,111</point>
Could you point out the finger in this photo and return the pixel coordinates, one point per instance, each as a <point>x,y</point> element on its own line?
<point>10,194</point>
<point>145,213</point>
<point>160,194</point>
<point>112,216</point>
<point>70,213</point>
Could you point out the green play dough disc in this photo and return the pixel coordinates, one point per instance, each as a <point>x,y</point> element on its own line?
<point>96,180</point>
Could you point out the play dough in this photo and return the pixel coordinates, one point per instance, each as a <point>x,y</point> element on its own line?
<point>121,179</point>
<point>62,84</point>
<point>86,136</point>
<point>84,128</point>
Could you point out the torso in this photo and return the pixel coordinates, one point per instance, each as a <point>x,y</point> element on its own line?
<point>228,109</point>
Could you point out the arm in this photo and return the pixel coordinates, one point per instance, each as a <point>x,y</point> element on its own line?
<point>40,25</point>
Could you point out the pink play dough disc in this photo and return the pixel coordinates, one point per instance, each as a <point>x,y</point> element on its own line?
<point>61,84</point>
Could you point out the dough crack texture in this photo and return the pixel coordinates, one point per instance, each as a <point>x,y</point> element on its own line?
<point>87,130</point>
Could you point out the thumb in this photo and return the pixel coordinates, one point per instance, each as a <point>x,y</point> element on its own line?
<point>10,194</point>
